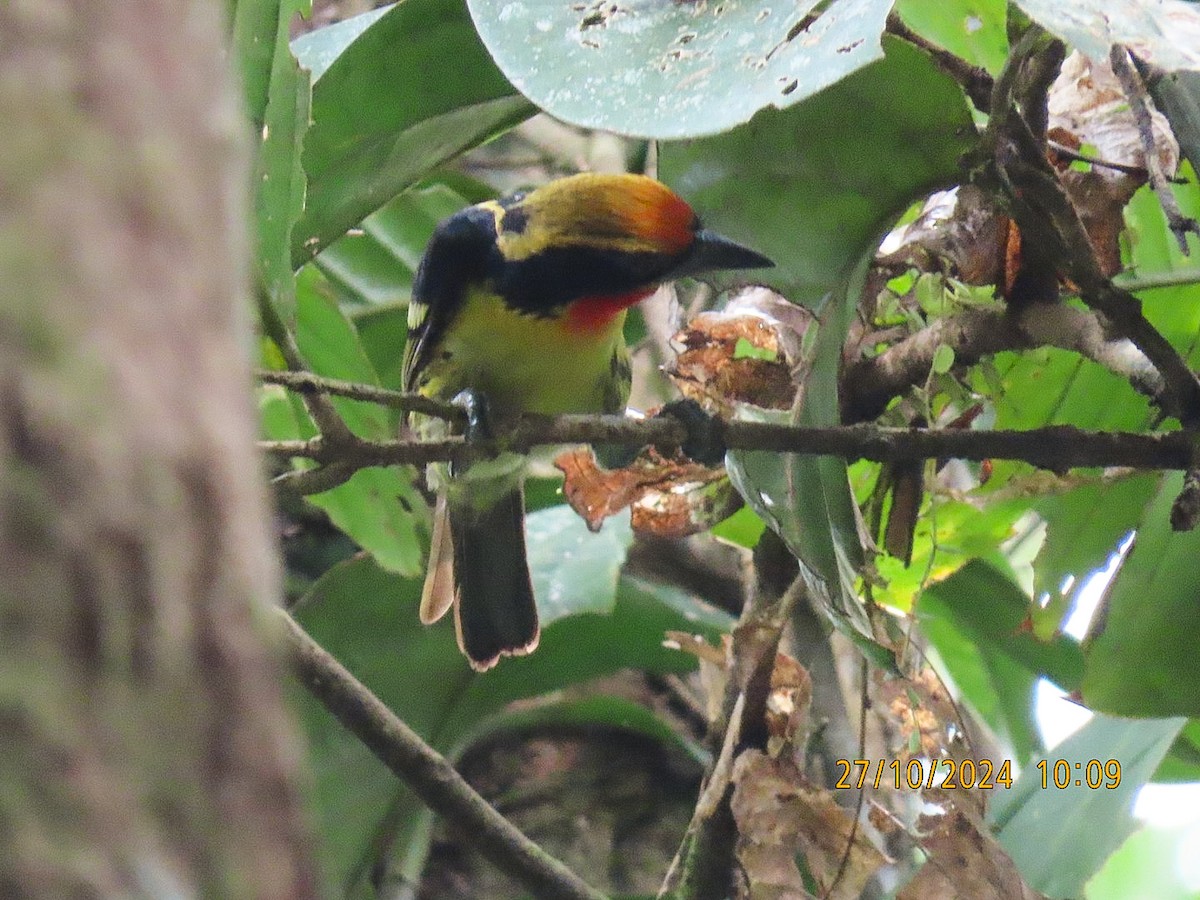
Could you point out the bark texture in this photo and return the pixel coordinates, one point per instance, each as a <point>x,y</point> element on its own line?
<point>144,745</point>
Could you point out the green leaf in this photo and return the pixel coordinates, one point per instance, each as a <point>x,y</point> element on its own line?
<point>383,330</point>
<point>949,535</point>
<point>1141,655</point>
<point>573,570</point>
<point>329,343</point>
<point>1149,864</point>
<point>1085,525</point>
<point>367,617</point>
<point>380,508</point>
<point>983,603</point>
<point>1173,309</point>
<point>255,27</point>
<point>1048,386</point>
<point>281,184</point>
<point>673,70</point>
<point>1183,762</point>
<point>410,91</point>
<point>973,30</point>
<point>746,350</point>
<point>943,359</point>
<point>807,500</point>
<point>384,514</point>
<point>318,49</point>
<point>743,528</point>
<point>815,186</point>
<point>1059,838</point>
<point>975,620</point>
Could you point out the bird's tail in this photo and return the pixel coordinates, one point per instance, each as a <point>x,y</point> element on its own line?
<point>495,614</point>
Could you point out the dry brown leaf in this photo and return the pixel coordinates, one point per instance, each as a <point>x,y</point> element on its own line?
<point>779,817</point>
<point>1087,103</point>
<point>965,860</point>
<point>669,497</point>
<point>923,714</point>
<point>787,705</point>
<point>745,353</point>
<point>961,232</point>
<point>1088,108</point>
<point>594,493</point>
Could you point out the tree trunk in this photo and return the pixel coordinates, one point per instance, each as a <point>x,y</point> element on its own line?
<point>144,745</point>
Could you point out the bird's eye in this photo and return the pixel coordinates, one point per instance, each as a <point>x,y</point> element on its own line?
<point>514,220</point>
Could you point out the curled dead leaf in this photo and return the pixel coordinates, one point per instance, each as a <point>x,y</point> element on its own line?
<point>746,353</point>
<point>961,232</point>
<point>780,818</point>
<point>669,497</point>
<point>1089,110</point>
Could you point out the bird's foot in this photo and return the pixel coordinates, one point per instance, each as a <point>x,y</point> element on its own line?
<point>479,427</point>
<point>478,413</point>
<point>705,441</point>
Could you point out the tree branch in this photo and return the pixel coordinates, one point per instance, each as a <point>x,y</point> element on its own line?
<point>869,384</point>
<point>426,771</point>
<point>975,80</point>
<point>1056,447</point>
<point>328,422</point>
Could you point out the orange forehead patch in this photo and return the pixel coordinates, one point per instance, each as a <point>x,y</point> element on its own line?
<point>655,213</point>
<point>617,212</point>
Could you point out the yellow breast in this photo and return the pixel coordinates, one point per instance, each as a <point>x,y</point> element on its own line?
<point>526,363</point>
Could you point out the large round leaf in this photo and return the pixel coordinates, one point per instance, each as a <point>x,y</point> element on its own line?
<point>1161,31</point>
<point>671,70</point>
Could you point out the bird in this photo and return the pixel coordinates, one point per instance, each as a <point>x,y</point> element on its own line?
<point>518,306</point>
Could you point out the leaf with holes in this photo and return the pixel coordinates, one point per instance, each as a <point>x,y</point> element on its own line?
<point>673,70</point>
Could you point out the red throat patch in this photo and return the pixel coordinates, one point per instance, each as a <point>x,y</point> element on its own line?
<point>589,315</point>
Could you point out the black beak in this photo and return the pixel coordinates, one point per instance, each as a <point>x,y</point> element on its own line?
<point>710,252</point>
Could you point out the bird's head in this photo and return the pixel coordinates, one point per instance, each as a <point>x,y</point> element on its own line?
<point>595,235</point>
<point>611,239</point>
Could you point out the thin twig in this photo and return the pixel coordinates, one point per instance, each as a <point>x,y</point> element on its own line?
<point>329,423</point>
<point>426,771</point>
<point>307,383</point>
<point>975,80</point>
<point>1139,105</point>
<point>1072,154</point>
<point>1175,278</point>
